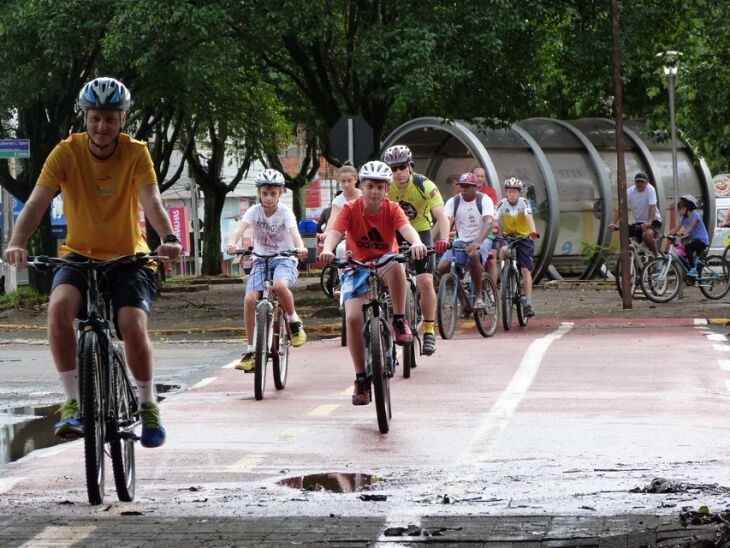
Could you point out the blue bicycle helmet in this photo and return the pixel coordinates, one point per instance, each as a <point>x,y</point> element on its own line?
<point>105,94</point>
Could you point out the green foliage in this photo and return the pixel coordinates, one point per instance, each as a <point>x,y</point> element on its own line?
<point>24,297</point>
<point>589,250</point>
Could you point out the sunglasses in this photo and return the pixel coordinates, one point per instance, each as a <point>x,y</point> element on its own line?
<point>399,167</point>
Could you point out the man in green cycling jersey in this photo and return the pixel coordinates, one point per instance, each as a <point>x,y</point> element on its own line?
<point>421,201</point>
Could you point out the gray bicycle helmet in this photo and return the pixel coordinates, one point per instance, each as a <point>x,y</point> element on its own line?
<point>689,201</point>
<point>270,177</point>
<point>376,171</point>
<point>398,154</point>
<point>105,94</point>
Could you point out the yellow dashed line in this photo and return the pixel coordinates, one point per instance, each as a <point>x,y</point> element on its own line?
<point>247,463</point>
<point>291,433</point>
<point>347,391</point>
<point>323,410</point>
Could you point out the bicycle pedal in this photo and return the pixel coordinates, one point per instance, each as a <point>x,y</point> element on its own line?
<point>129,436</point>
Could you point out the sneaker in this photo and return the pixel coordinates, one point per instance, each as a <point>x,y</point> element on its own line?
<point>298,336</point>
<point>692,273</point>
<point>402,332</point>
<point>529,312</point>
<point>69,427</point>
<point>361,393</point>
<point>153,434</point>
<point>429,344</point>
<point>479,304</point>
<point>247,362</point>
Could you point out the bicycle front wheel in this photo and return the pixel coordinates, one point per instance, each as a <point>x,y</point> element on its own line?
<point>519,300</point>
<point>381,382</point>
<point>263,343</point>
<point>632,273</point>
<point>488,317</point>
<point>507,295</point>
<point>92,404</point>
<point>660,279</point>
<point>447,308</point>
<point>280,351</point>
<point>329,280</point>
<point>409,351</point>
<point>714,282</point>
<point>121,443</point>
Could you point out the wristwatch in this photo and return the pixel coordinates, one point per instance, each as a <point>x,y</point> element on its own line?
<point>170,239</point>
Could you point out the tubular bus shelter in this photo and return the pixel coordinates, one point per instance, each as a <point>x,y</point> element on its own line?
<point>569,172</point>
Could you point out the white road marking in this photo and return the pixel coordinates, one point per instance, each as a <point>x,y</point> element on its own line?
<point>232,364</point>
<point>348,391</point>
<point>247,463</point>
<point>57,535</point>
<point>501,412</point>
<point>323,410</point>
<point>724,364</point>
<point>203,382</point>
<point>700,321</point>
<point>716,337</point>
<point>721,347</point>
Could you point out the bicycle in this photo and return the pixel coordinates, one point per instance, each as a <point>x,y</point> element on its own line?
<point>272,337</point>
<point>457,289</point>
<point>413,314</point>
<point>108,406</point>
<point>512,285</point>
<point>661,277</point>
<point>329,282</point>
<point>639,255</point>
<point>379,355</point>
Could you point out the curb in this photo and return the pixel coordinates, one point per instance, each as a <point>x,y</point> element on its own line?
<point>320,329</point>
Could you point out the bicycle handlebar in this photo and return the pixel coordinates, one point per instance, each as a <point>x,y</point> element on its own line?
<point>250,251</point>
<point>370,265</point>
<point>41,262</point>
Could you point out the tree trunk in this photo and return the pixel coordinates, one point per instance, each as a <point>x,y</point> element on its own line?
<point>298,202</point>
<point>213,208</point>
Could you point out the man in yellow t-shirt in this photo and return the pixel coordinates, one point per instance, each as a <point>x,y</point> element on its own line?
<point>421,201</point>
<point>104,176</point>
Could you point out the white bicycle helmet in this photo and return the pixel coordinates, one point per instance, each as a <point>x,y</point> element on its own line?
<point>376,171</point>
<point>513,182</point>
<point>270,177</point>
<point>689,201</point>
<point>105,94</point>
<point>398,154</point>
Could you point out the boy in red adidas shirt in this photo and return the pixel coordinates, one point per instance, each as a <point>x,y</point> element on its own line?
<point>371,222</point>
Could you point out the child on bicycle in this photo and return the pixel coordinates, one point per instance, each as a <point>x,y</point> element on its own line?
<point>516,215</point>
<point>693,228</point>
<point>274,229</point>
<point>371,222</point>
<point>473,213</point>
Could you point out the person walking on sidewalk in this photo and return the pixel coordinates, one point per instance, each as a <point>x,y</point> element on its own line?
<point>274,229</point>
<point>104,175</point>
<point>421,201</point>
<point>370,224</point>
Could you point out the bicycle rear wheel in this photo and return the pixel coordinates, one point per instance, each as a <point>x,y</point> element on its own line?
<point>121,436</point>
<point>329,280</point>
<point>660,281</point>
<point>381,382</point>
<point>263,330</point>
<point>280,350</point>
<point>409,351</point>
<point>507,295</point>
<point>447,309</point>
<point>488,317</point>
<point>632,273</point>
<point>714,282</point>
<point>92,404</point>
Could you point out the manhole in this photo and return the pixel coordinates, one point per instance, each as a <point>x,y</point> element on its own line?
<point>334,482</point>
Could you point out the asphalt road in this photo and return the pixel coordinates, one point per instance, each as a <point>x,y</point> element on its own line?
<point>566,421</point>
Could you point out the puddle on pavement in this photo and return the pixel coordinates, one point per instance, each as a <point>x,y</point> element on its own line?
<point>25,429</point>
<point>334,482</point>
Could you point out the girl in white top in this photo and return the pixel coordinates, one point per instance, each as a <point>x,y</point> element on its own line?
<point>350,191</point>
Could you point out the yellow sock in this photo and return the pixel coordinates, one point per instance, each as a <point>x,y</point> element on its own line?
<point>428,326</point>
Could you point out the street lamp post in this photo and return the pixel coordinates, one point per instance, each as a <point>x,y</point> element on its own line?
<point>670,60</point>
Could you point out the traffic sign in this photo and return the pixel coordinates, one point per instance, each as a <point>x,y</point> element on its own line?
<point>14,148</point>
<point>351,138</point>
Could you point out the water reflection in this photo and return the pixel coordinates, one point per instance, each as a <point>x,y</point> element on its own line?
<point>334,482</point>
<point>26,429</point>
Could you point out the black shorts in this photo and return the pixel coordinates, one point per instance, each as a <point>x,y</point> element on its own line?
<point>422,266</point>
<point>636,232</point>
<point>127,285</point>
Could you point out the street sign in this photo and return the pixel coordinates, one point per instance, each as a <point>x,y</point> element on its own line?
<point>351,138</point>
<point>14,148</point>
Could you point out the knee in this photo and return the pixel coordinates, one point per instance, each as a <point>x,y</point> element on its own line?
<point>280,286</point>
